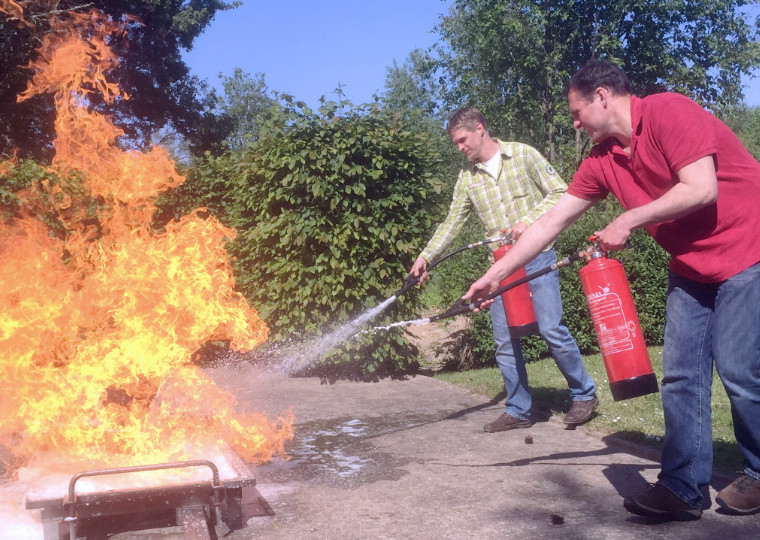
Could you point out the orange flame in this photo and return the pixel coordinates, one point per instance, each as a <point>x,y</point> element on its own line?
<point>97,328</point>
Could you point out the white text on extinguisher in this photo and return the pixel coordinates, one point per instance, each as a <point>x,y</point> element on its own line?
<point>614,332</point>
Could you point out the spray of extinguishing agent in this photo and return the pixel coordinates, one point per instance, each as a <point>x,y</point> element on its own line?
<point>610,303</point>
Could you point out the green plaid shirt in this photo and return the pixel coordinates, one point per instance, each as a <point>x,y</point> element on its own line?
<point>526,187</point>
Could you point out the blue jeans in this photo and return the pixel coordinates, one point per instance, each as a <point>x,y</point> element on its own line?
<point>706,323</point>
<point>547,304</point>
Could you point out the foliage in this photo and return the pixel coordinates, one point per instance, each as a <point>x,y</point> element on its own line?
<point>331,207</point>
<point>745,122</point>
<point>247,104</point>
<point>151,72</point>
<point>27,187</point>
<point>410,86</point>
<point>513,58</point>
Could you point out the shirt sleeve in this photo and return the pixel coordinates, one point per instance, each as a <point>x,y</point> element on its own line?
<point>588,181</point>
<point>459,211</point>
<point>548,182</point>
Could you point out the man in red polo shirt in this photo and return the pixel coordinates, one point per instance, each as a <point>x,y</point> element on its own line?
<point>682,175</point>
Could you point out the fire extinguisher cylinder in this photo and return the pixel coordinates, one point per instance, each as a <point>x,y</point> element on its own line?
<point>518,301</point>
<point>617,327</point>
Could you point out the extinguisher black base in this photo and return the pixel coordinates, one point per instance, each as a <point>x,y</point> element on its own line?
<point>525,330</point>
<point>634,387</point>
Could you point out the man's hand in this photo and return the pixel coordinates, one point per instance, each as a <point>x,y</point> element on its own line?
<point>517,230</point>
<point>479,290</point>
<point>615,235</point>
<point>419,269</point>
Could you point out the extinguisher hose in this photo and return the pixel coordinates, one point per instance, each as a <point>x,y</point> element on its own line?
<point>461,307</point>
<point>412,280</point>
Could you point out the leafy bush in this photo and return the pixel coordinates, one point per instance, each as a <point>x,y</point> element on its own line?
<point>330,211</point>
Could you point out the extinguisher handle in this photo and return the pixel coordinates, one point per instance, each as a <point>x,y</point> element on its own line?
<point>595,240</point>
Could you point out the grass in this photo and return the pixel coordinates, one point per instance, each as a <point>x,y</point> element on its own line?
<point>638,420</point>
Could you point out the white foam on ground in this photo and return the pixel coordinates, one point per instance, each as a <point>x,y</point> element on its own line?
<point>18,523</point>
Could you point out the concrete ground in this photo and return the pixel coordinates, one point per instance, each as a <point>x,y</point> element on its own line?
<point>409,460</point>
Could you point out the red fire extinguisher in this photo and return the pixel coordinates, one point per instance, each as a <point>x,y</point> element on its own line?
<point>518,304</point>
<point>617,326</point>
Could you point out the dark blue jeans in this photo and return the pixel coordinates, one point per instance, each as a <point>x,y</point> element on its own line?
<point>715,323</point>
<point>547,304</point>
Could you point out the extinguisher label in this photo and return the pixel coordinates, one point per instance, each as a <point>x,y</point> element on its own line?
<point>614,332</point>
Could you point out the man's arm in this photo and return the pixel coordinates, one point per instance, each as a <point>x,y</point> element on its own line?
<point>532,241</point>
<point>448,229</point>
<point>697,187</point>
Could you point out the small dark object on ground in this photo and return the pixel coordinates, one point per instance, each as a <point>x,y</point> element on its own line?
<point>529,439</point>
<point>557,519</point>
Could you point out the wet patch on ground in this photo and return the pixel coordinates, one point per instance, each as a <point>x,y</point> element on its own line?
<point>341,452</point>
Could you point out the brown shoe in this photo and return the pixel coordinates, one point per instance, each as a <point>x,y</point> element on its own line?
<point>581,411</point>
<point>505,422</point>
<point>658,501</point>
<point>742,497</point>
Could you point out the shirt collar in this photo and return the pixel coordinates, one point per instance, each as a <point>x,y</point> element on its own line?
<point>506,152</point>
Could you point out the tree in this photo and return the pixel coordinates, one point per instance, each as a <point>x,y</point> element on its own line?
<point>513,58</point>
<point>151,71</point>
<point>412,86</point>
<point>247,104</point>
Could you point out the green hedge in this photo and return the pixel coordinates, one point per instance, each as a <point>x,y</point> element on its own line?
<point>330,207</point>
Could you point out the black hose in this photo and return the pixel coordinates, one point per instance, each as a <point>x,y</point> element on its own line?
<point>411,280</point>
<point>461,307</point>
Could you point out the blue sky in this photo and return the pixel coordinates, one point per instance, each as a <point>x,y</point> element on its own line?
<point>307,47</point>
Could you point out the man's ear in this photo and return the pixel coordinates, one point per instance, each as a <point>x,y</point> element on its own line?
<point>603,94</point>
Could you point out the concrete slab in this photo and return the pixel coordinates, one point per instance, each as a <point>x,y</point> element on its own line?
<point>409,459</point>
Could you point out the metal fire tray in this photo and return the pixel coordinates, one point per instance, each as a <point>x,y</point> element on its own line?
<point>196,506</point>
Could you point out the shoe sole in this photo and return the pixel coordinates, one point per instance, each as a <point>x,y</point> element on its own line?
<point>518,425</point>
<point>640,510</point>
<point>585,418</point>
<point>736,511</point>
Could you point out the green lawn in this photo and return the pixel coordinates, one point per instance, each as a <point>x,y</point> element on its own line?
<point>638,420</point>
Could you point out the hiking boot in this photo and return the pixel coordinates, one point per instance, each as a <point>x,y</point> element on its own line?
<point>505,422</point>
<point>742,497</point>
<point>581,411</point>
<point>658,501</point>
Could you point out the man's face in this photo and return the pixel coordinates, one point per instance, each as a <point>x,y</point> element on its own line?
<point>589,115</point>
<point>470,143</point>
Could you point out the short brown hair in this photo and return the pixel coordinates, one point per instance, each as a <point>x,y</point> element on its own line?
<point>466,117</point>
<point>596,73</point>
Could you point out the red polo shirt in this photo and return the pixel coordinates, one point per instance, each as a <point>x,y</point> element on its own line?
<point>670,131</point>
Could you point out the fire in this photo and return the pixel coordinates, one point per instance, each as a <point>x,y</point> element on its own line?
<point>98,323</point>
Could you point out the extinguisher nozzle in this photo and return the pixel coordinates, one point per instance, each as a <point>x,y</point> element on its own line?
<point>410,281</point>
<point>458,308</point>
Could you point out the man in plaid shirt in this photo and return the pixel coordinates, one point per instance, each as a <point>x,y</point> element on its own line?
<point>510,185</point>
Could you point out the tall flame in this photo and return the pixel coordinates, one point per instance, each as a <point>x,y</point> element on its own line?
<point>97,326</point>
